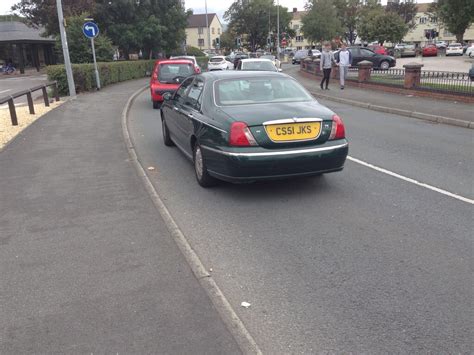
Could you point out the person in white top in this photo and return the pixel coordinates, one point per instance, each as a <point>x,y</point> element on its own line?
<point>344,61</point>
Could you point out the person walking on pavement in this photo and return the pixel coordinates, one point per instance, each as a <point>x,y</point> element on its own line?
<point>327,58</point>
<point>344,61</point>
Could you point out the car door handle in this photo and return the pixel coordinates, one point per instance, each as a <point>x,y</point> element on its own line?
<point>190,115</point>
<point>175,108</point>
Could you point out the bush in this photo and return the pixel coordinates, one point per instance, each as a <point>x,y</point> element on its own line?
<point>202,62</point>
<point>111,72</point>
<point>194,51</point>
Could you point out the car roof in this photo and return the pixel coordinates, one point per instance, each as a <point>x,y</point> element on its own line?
<point>217,56</point>
<point>174,61</point>
<point>255,60</point>
<point>236,74</point>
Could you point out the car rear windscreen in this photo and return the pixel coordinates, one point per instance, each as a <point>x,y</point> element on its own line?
<point>216,60</point>
<point>244,91</point>
<point>258,65</point>
<point>168,73</point>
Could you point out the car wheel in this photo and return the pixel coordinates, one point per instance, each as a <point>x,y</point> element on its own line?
<point>200,169</point>
<point>470,55</point>
<point>156,104</point>
<point>166,134</point>
<point>384,65</point>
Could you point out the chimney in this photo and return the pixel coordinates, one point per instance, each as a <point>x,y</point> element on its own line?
<point>295,10</point>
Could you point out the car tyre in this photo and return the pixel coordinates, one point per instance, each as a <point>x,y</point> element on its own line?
<point>156,104</point>
<point>384,65</point>
<point>202,176</point>
<point>166,134</point>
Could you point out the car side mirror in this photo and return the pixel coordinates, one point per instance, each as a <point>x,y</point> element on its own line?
<point>167,96</point>
<point>280,70</point>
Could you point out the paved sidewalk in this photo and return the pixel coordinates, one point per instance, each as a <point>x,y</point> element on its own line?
<point>87,265</point>
<point>455,110</point>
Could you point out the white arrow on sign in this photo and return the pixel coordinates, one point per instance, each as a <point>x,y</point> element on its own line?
<point>90,28</point>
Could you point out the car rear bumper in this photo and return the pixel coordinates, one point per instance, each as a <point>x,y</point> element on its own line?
<point>256,163</point>
<point>157,92</point>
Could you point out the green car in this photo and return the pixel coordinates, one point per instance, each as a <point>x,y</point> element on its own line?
<point>248,126</point>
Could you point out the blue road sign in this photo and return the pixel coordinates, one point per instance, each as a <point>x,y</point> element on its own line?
<point>90,29</point>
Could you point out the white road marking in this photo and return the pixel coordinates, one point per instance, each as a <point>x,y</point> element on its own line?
<point>413,181</point>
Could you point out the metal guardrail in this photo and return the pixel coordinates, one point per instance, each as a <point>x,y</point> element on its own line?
<point>28,92</point>
<point>441,81</point>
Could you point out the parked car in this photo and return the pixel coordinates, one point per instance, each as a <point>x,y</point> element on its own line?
<point>429,50</point>
<point>276,62</point>
<point>379,61</point>
<point>454,49</point>
<point>441,44</point>
<point>242,126</point>
<point>238,57</point>
<point>219,63</point>
<point>378,49</point>
<point>470,51</point>
<point>299,55</point>
<point>191,58</point>
<point>406,50</point>
<point>166,77</point>
<point>257,64</point>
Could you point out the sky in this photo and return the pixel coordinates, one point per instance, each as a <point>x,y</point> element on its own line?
<point>218,6</point>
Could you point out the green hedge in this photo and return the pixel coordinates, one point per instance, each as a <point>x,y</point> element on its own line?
<point>202,61</point>
<point>110,73</point>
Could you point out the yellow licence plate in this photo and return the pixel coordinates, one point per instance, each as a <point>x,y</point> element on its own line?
<point>293,131</point>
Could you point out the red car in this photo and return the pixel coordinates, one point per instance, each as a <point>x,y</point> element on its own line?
<point>429,50</point>
<point>379,49</point>
<point>167,76</point>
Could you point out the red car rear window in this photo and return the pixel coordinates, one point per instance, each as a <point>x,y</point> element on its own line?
<point>168,73</point>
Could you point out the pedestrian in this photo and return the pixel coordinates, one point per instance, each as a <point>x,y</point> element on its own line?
<point>327,59</point>
<point>344,61</point>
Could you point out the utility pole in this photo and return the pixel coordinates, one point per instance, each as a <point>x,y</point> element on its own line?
<point>67,61</point>
<point>278,28</point>
<point>208,29</point>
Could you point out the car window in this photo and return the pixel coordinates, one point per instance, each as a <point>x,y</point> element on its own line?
<point>354,51</point>
<point>366,53</point>
<point>174,73</point>
<point>181,92</point>
<point>258,66</point>
<point>244,91</point>
<point>193,97</point>
<point>216,60</point>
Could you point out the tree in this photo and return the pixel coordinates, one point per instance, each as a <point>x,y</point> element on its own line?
<point>253,19</point>
<point>455,15</point>
<point>44,13</point>
<point>321,23</point>
<point>347,12</point>
<point>228,39</point>
<point>376,24</point>
<point>80,50</point>
<point>406,10</point>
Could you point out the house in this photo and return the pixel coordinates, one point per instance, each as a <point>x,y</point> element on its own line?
<point>197,31</point>
<point>25,46</point>
<point>426,21</point>
<point>299,41</point>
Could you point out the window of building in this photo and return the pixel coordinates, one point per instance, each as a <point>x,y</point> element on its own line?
<point>299,39</point>
<point>201,42</point>
<point>434,20</point>
<point>446,33</point>
<point>218,31</point>
<point>423,19</point>
<point>200,31</point>
<point>213,30</point>
<point>296,27</point>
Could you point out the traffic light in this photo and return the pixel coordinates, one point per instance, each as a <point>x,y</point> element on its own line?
<point>238,42</point>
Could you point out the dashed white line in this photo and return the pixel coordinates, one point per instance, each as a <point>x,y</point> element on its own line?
<point>413,181</point>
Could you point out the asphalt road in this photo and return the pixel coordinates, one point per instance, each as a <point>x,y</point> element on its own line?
<point>354,261</point>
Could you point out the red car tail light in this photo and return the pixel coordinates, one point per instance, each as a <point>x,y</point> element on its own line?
<point>337,131</point>
<point>240,135</point>
<point>154,77</point>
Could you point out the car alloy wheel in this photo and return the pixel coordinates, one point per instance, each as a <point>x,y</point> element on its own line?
<point>202,176</point>
<point>384,65</point>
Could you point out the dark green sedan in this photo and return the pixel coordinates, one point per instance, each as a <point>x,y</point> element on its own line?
<point>249,126</point>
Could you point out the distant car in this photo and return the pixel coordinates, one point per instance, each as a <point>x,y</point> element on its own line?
<point>299,56</point>
<point>242,127</point>
<point>470,51</point>
<point>406,50</point>
<point>166,77</point>
<point>219,63</point>
<point>276,62</point>
<point>429,50</point>
<point>454,49</point>
<point>257,64</point>
<point>441,44</point>
<point>378,49</point>
<point>191,58</point>
<point>379,61</point>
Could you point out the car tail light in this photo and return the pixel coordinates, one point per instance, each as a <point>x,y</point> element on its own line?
<point>154,76</point>
<point>337,131</point>
<point>240,135</point>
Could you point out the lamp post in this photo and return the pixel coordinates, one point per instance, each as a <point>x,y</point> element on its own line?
<point>278,28</point>
<point>67,61</point>
<point>207,26</point>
